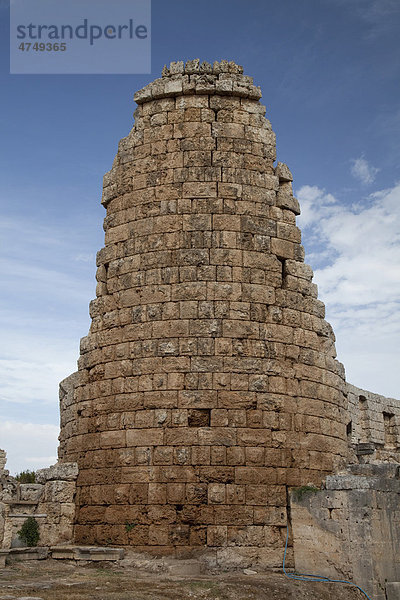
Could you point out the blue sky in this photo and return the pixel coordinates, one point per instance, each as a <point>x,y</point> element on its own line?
<point>329,72</point>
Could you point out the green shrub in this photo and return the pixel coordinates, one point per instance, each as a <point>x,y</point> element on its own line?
<point>29,532</point>
<point>26,477</point>
<point>299,493</point>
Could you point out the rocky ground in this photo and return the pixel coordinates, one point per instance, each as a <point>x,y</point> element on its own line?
<point>59,580</point>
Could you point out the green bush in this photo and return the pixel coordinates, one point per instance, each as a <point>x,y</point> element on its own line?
<point>26,477</point>
<point>299,493</point>
<point>29,532</point>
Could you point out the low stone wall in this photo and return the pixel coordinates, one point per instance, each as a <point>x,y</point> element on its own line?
<point>351,529</point>
<point>374,426</point>
<point>51,501</point>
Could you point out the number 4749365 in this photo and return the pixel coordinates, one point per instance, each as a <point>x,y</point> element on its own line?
<point>42,47</point>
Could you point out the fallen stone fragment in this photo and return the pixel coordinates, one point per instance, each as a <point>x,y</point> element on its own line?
<point>249,572</point>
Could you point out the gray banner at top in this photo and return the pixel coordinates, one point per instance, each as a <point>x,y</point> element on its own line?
<point>80,36</point>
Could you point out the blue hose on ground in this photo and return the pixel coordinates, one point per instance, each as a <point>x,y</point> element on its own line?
<point>308,577</point>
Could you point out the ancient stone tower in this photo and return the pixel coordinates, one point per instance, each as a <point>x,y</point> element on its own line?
<point>208,384</point>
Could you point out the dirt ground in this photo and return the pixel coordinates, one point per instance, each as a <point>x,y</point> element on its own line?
<point>59,580</point>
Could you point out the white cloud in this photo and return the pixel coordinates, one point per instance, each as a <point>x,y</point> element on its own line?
<point>43,314</point>
<point>86,258</point>
<point>355,251</point>
<point>36,260</point>
<point>28,445</point>
<point>33,380</point>
<point>37,351</point>
<point>43,308</point>
<point>51,283</point>
<point>29,380</point>
<point>363,171</point>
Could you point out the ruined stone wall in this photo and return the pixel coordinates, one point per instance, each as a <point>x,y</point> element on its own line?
<point>374,426</point>
<point>351,529</point>
<point>51,501</point>
<point>208,382</point>
<point>57,502</point>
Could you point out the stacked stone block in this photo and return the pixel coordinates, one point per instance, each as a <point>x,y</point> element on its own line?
<point>208,383</point>
<point>373,428</point>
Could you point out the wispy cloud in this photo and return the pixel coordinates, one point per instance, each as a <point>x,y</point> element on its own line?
<point>363,171</point>
<point>380,16</point>
<point>35,379</point>
<point>355,251</point>
<point>374,9</point>
<point>86,258</point>
<point>43,313</point>
<point>47,282</point>
<point>28,445</point>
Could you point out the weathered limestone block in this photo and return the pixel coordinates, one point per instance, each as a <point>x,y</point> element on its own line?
<point>88,554</point>
<point>282,171</point>
<point>30,491</point>
<point>59,491</point>
<point>58,472</point>
<point>393,590</point>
